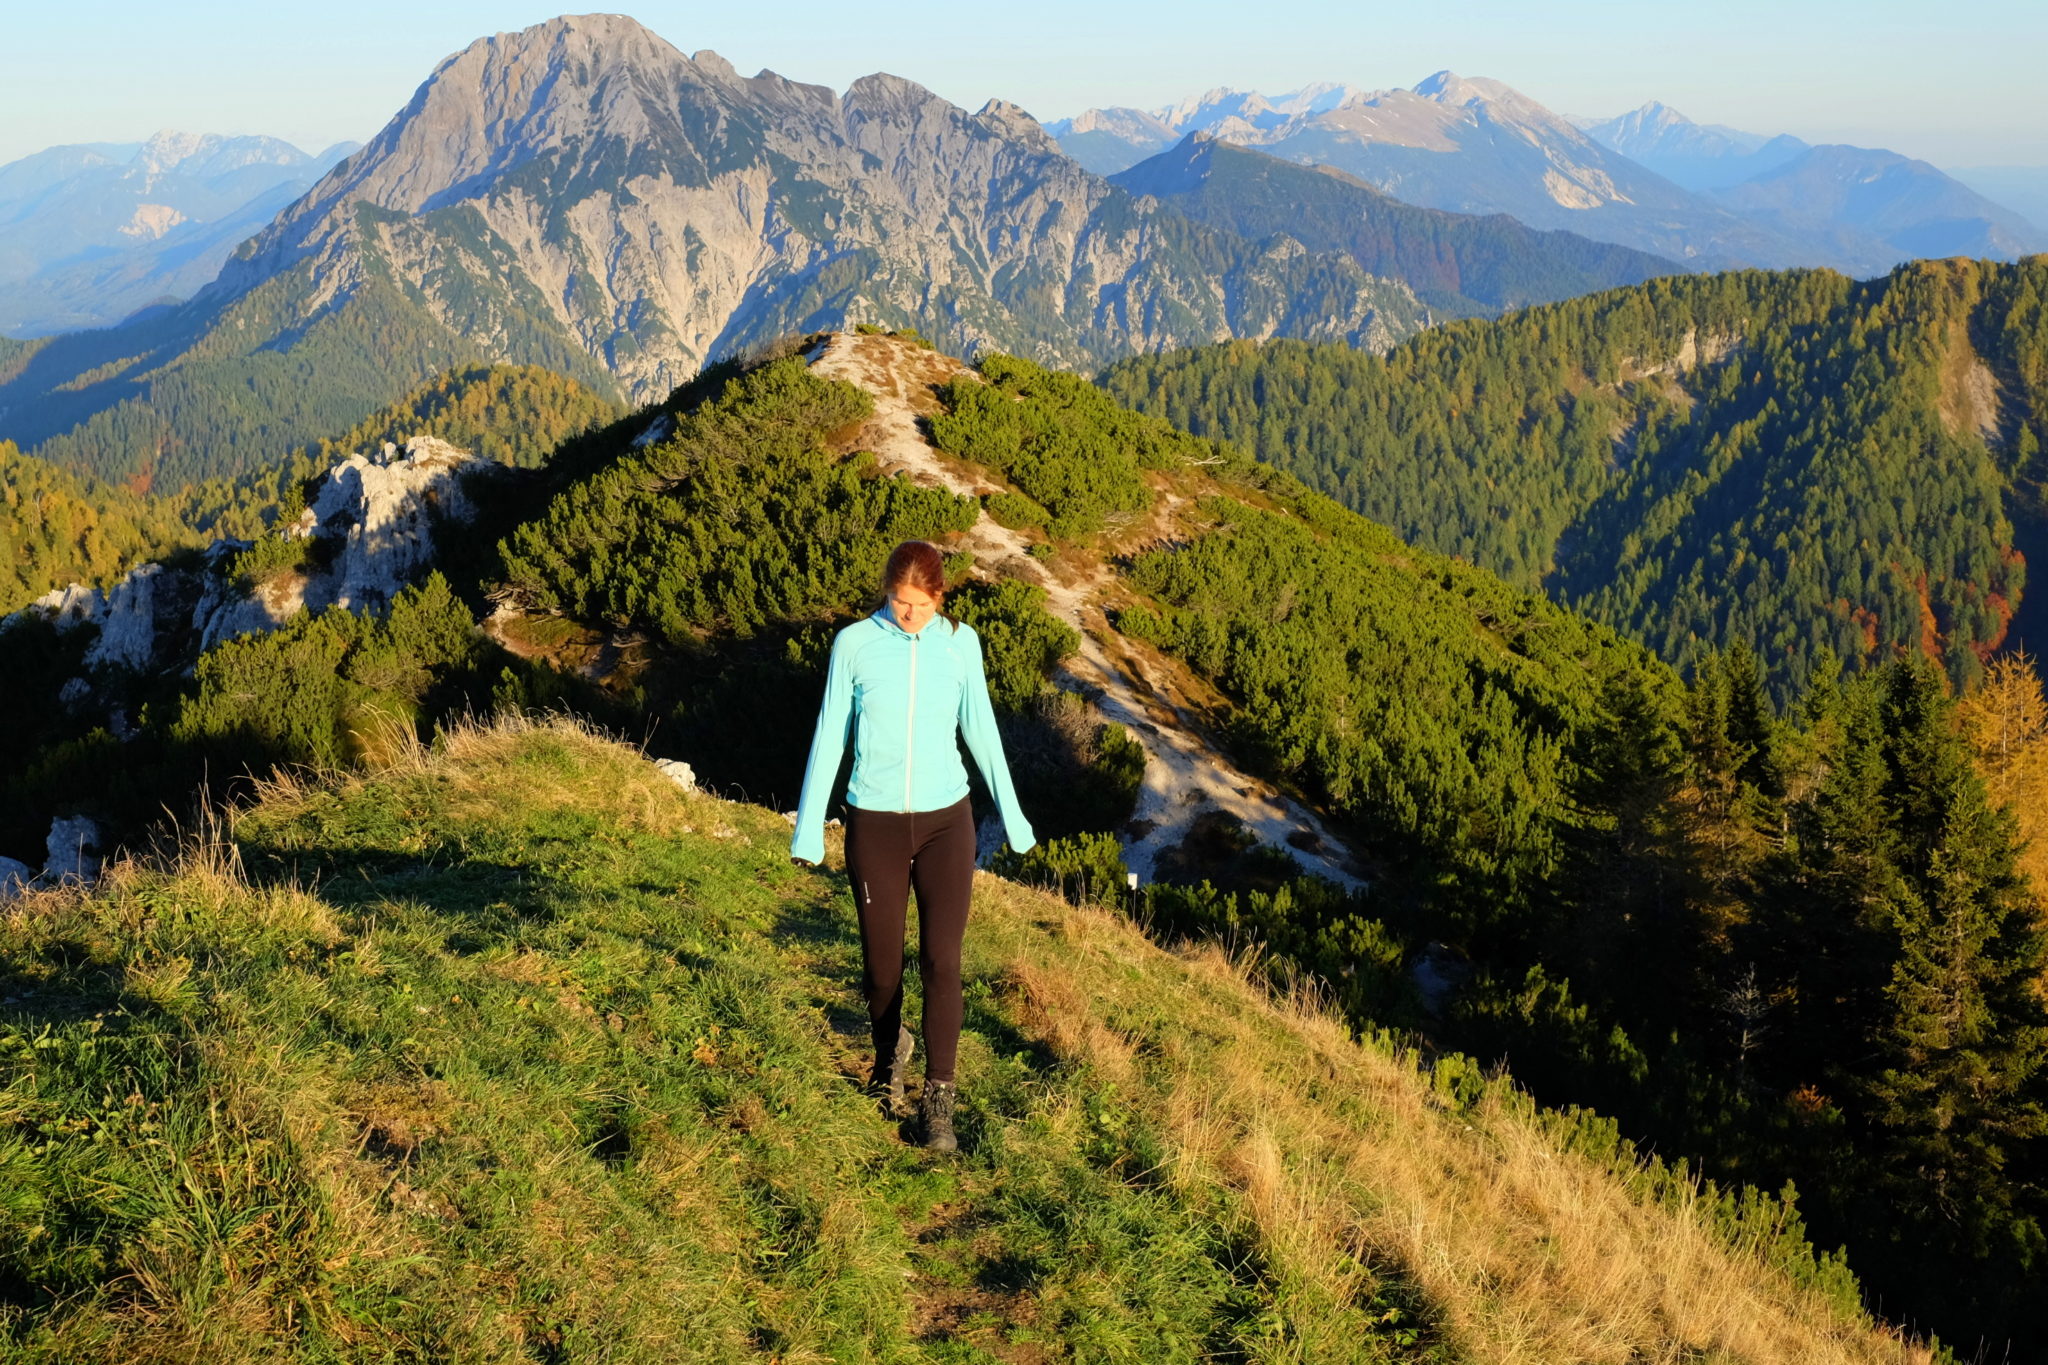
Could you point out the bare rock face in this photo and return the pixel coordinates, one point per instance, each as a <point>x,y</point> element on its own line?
<point>655,210</point>
<point>15,877</point>
<point>74,850</point>
<point>385,511</point>
<point>135,617</point>
<point>128,621</point>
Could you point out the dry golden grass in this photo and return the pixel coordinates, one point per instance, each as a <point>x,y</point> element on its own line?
<point>1344,1159</point>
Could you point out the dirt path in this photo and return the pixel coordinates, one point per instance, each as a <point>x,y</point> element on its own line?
<point>1186,775</point>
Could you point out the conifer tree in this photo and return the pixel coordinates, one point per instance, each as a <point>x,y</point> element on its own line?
<point>1956,1089</point>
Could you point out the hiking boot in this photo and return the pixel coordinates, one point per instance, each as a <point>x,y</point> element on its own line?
<point>937,1113</point>
<point>887,1085</point>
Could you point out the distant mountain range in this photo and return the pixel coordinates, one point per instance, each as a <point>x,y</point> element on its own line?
<point>1466,146</point>
<point>1458,264</point>
<point>1710,196</point>
<point>90,233</point>
<point>1694,156</point>
<point>585,197</point>
<point>2024,189</point>
<point>1871,207</point>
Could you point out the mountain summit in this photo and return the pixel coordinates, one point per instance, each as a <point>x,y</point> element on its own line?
<point>661,209</point>
<point>1465,144</point>
<point>582,195</point>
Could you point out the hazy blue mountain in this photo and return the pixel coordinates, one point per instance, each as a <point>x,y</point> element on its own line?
<point>1880,208</point>
<point>1107,141</point>
<point>1706,195</point>
<point>1697,156</point>
<point>2023,189</point>
<point>91,232</point>
<point>1110,140</point>
<point>1867,208</point>
<point>583,196</point>
<point>1470,146</point>
<point>1457,264</point>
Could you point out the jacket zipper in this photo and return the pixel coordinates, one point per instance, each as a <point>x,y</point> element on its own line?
<point>910,724</point>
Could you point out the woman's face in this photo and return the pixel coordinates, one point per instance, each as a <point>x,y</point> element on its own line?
<point>912,607</point>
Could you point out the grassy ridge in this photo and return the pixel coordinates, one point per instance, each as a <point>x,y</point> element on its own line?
<point>557,1062</point>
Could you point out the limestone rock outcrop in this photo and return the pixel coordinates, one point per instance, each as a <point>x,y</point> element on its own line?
<point>660,210</point>
<point>382,514</point>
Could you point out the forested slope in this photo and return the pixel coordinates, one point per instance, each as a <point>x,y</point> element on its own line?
<point>1461,265</point>
<point>218,387</point>
<point>1787,951</point>
<point>1793,460</point>
<point>57,527</point>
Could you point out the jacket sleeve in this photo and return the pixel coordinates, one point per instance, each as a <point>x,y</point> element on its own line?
<point>978,728</point>
<point>828,746</point>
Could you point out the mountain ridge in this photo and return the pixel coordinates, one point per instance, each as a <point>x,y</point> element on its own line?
<point>581,195</point>
<point>1458,264</point>
<point>1682,190</point>
<point>1521,781</point>
<point>621,991</point>
<point>91,233</point>
<point>1478,146</point>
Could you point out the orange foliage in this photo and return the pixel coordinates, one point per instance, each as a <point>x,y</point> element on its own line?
<point>2007,721</point>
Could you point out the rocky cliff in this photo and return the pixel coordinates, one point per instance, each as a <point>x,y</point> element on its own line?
<point>581,195</point>
<point>663,209</point>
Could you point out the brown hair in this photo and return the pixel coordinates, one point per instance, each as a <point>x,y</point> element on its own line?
<point>919,564</point>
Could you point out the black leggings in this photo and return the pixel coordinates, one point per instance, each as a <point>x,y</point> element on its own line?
<point>888,852</point>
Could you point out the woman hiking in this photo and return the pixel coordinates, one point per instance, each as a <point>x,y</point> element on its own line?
<point>903,683</point>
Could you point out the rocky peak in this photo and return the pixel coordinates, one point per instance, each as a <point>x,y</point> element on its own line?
<point>1012,122</point>
<point>1499,102</point>
<point>1448,87</point>
<point>713,65</point>
<point>210,154</point>
<point>381,513</point>
<point>501,101</point>
<point>385,510</point>
<point>883,96</point>
<point>166,148</point>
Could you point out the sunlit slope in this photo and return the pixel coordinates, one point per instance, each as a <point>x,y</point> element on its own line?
<point>516,1051</point>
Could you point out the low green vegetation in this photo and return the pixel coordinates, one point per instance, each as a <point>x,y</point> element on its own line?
<point>334,686</point>
<point>741,518</point>
<point>1452,720</point>
<point>1078,459</point>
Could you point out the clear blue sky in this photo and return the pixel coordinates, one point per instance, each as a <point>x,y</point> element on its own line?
<point>1958,84</point>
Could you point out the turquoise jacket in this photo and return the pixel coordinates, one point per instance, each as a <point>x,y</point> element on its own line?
<point>912,695</point>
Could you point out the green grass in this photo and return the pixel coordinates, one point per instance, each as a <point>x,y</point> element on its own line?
<point>515,1052</point>
<point>556,1063</point>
